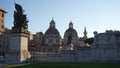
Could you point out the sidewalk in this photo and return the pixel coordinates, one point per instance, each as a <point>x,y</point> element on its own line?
<point>2,65</point>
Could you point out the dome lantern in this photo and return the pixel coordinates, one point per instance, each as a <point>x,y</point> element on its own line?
<point>71,25</point>
<point>52,30</point>
<point>52,23</point>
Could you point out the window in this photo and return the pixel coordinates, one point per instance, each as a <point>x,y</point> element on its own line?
<point>50,40</point>
<point>49,50</point>
<point>7,46</point>
<point>1,21</point>
<point>3,46</point>
<point>57,40</point>
<point>40,39</point>
<point>56,51</point>
<point>2,14</point>
<point>44,50</point>
<point>2,26</point>
<point>118,51</point>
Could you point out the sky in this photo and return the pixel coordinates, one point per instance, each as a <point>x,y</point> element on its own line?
<point>95,15</point>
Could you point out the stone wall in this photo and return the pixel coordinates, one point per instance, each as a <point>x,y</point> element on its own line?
<point>82,55</point>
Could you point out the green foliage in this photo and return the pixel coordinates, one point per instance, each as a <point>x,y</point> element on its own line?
<point>65,65</point>
<point>89,41</point>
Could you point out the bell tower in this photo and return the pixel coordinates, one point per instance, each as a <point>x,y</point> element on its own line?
<point>85,33</point>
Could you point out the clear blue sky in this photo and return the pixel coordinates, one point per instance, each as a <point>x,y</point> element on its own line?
<point>96,15</point>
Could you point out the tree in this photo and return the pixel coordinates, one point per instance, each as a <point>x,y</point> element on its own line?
<point>89,40</point>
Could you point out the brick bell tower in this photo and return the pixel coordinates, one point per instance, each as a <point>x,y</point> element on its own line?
<point>18,49</point>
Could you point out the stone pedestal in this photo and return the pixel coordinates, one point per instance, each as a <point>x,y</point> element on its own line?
<point>18,49</point>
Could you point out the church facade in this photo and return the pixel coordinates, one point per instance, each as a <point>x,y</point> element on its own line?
<point>51,40</point>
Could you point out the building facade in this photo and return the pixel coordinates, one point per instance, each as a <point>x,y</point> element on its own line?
<point>51,40</point>
<point>105,49</point>
<point>74,37</point>
<point>2,19</point>
<point>4,37</point>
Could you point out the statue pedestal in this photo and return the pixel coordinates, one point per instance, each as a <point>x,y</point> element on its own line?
<point>18,49</point>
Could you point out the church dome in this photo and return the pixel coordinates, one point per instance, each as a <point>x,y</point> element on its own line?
<point>71,31</point>
<point>52,30</point>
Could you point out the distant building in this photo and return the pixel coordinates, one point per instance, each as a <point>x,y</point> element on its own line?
<point>2,20</point>
<point>48,42</point>
<point>37,42</point>
<point>74,41</point>
<point>52,42</point>
<point>4,41</point>
<point>82,39</point>
<point>4,37</point>
<point>109,39</point>
<point>105,49</point>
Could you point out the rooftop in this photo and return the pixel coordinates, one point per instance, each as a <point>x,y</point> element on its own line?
<point>3,10</point>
